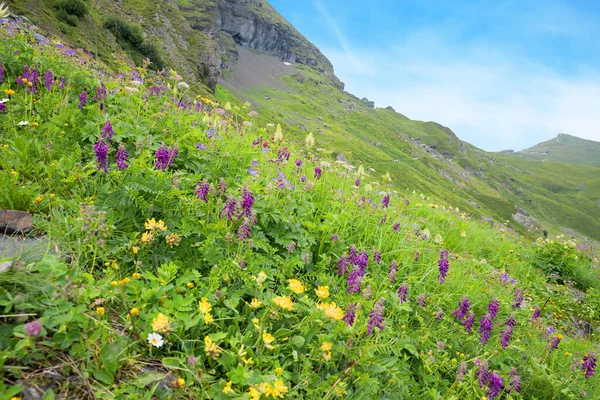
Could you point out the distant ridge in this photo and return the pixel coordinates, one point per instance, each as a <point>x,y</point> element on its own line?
<point>566,149</point>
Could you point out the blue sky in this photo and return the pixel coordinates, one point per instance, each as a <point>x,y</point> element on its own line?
<point>501,74</point>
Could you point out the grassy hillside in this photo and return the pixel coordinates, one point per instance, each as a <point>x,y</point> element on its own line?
<point>196,252</point>
<point>566,149</point>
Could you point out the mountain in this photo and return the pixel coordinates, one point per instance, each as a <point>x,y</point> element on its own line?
<point>244,49</point>
<point>565,149</point>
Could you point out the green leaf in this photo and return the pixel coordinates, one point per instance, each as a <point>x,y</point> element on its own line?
<point>49,395</point>
<point>148,378</point>
<point>282,333</point>
<point>172,362</point>
<point>110,354</point>
<point>103,376</point>
<point>239,376</point>
<point>297,341</point>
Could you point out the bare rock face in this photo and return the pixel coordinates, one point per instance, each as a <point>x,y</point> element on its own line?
<point>13,221</point>
<point>525,220</point>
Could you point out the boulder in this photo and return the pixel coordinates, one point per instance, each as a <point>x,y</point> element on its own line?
<point>14,221</point>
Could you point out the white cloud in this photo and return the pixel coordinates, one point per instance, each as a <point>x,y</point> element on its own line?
<point>493,100</point>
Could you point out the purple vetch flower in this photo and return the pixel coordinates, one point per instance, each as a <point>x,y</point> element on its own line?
<point>362,261</point>
<point>511,321</point>
<point>283,155</point>
<point>493,308</point>
<point>483,372</point>
<point>402,293</point>
<point>34,79</point>
<point>342,266</point>
<point>485,328</point>
<point>383,220</point>
<point>335,237</point>
<point>376,256</point>
<point>469,321</point>
<point>441,345</point>
<point>254,163</point>
<point>463,307</point>
<point>82,100</point>
<point>376,317</point>
<point>354,281</point>
<point>101,150</point>
<point>192,360</point>
<point>244,230</point>
<point>221,187</point>
<point>2,71</point>
<point>229,208</point>
<point>396,227</point>
<point>291,246</point>
<point>385,203</point>
<point>549,330</point>
<point>417,256</point>
<point>252,172</point>
<point>589,364</point>
<point>518,299</point>
<point>201,146</point>
<point>61,82</point>
<point>163,157</point>
<point>505,336</point>
<point>107,131</point>
<point>443,265</point>
<point>2,108</point>
<point>49,80</point>
<point>366,293</point>
<point>350,314</point>
<point>514,385</point>
<point>393,270</point>
<point>100,93</point>
<point>536,314</point>
<point>303,178</point>
<point>357,182</point>
<point>420,300</point>
<point>318,173</point>
<point>247,203</point>
<point>353,254</point>
<point>495,384</point>
<point>202,190</point>
<point>210,132</point>
<point>33,328</point>
<point>462,371</point>
<point>439,314</point>
<point>121,157</point>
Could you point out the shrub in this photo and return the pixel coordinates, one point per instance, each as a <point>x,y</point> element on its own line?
<point>76,8</point>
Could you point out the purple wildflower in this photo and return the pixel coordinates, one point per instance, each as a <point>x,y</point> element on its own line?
<point>354,281</point>
<point>495,384</point>
<point>49,80</point>
<point>202,191</point>
<point>392,271</point>
<point>463,307</point>
<point>221,187</point>
<point>107,131</point>
<point>443,265</point>
<point>462,371</point>
<point>588,365</point>
<point>385,203</point>
<point>469,321</point>
<point>244,230</point>
<point>421,300</point>
<point>536,314</point>
<point>493,308</point>
<point>357,182</point>
<point>362,262</point>
<point>100,92</point>
<point>34,78</point>
<point>201,146</point>
<point>2,108</point>
<point>505,336</point>
<point>515,381</point>
<point>163,156</point>
<point>511,321</point>
<point>485,328</point>
<point>376,317</point>
<point>291,246</point>
<point>101,150</point>
<point>1,73</point>
<point>252,171</point>
<point>283,155</point>
<point>335,237</point>
<point>366,293</point>
<point>229,208</point>
<point>518,299</point>
<point>353,252</point>
<point>383,220</point>
<point>377,257</point>
<point>192,360</point>
<point>82,100</point>
<point>482,373</point>
<point>298,163</point>
<point>247,203</point>
<point>439,314</point>
<point>121,157</point>
<point>210,132</point>
<point>350,314</point>
<point>61,83</point>
<point>343,265</point>
<point>402,293</point>
<point>396,227</point>
<point>303,178</point>
<point>417,256</point>
<point>318,173</point>
<point>33,328</point>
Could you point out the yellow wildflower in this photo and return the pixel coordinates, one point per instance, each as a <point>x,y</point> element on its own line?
<point>322,292</point>
<point>326,346</point>
<point>180,382</point>
<point>136,276</point>
<point>284,302</point>
<point>125,281</point>
<point>39,199</point>
<point>227,389</point>
<point>114,284</point>
<point>278,371</point>
<point>277,390</point>
<point>152,225</point>
<point>254,393</point>
<point>135,250</point>
<point>161,323</point>
<point>52,195</point>
<point>208,318</point>
<point>268,339</point>
<point>331,310</point>
<point>147,237</point>
<point>135,311</point>
<point>9,92</point>
<point>190,285</point>
<point>100,311</point>
<point>256,324</point>
<point>296,286</point>
<point>211,349</point>
<point>255,303</point>
<point>173,239</point>
<point>204,306</point>
<point>35,123</point>
<point>261,278</point>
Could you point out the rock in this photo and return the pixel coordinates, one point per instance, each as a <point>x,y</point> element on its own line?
<point>5,266</point>
<point>341,157</point>
<point>24,249</point>
<point>13,221</point>
<point>523,219</point>
<point>390,108</point>
<point>367,102</point>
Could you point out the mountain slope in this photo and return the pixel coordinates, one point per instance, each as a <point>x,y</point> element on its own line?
<point>244,44</point>
<point>565,149</point>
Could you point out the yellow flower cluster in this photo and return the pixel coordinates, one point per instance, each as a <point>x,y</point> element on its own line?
<point>204,307</point>
<point>211,349</point>
<point>151,228</point>
<point>255,303</point>
<point>296,286</point>
<point>326,347</point>
<point>268,339</point>
<point>161,324</point>
<point>331,310</point>
<point>284,302</point>
<point>122,282</point>
<point>173,240</point>
<point>277,390</point>
<point>322,292</point>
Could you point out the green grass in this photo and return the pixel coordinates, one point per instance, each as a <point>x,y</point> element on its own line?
<point>140,252</point>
